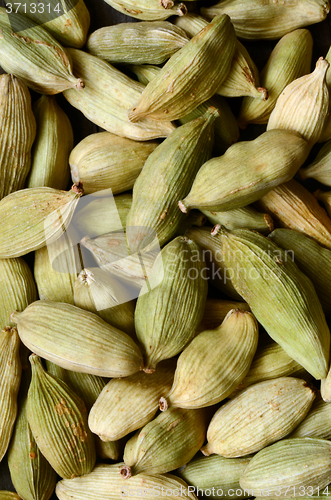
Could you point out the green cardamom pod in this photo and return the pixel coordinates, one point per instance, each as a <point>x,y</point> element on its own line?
<point>149,10</point>
<point>320,168</point>
<point>216,310</point>
<point>241,218</point>
<point>317,422</point>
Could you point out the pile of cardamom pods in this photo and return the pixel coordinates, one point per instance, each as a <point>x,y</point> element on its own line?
<point>165,286</point>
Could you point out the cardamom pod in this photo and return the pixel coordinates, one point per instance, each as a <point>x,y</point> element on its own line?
<point>290,59</point>
<point>303,105</point>
<point>191,76</point>
<point>256,19</point>
<point>29,52</point>
<point>289,466</point>
<point>229,349</point>
<point>166,443</point>
<point>317,422</point>
<point>54,331</point>
<point>325,198</point>
<point>52,146</point>
<point>107,96</point>
<point>287,307</point>
<point>292,206</point>
<point>18,130</point>
<point>35,217</point>
<point>241,218</point>
<point>112,417</point>
<point>170,305</point>
<point>215,312</point>
<point>150,42</point>
<point>260,415</point>
<point>149,10</point>
<point>8,495</point>
<point>58,421</point>
<point>326,134</point>
<point>320,168</point>
<point>176,161</point>
<point>226,182</point>
<point>104,160</point>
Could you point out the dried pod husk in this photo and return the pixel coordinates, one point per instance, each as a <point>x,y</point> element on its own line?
<point>53,330</point>
<point>100,292</point>
<point>311,258</point>
<point>148,42</point>
<point>113,255</point>
<point>166,443</point>
<point>260,415</point>
<point>287,307</point>
<point>317,423</point>
<point>71,27</point>
<point>215,312</point>
<point>56,267</point>
<point>325,198</point>
<point>257,19</point>
<point>216,474</point>
<point>18,131</point>
<point>191,76</point>
<point>10,377</point>
<point>171,303</point>
<point>29,52</point>
<point>227,182</point>
<point>289,60</point>
<point>241,218</point>
<point>287,466</point>
<point>270,362</point>
<point>35,217</point>
<point>107,483</point>
<point>104,160</point>
<point>226,131</point>
<point>51,149</point>
<point>230,349</point>
<point>303,105</point>
<point>107,96</point>
<point>58,421</point>
<point>112,417</point>
<point>17,288</point>
<point>8,495</point>
<point>292,206</point>
<point>103,215</point>
<point>176,161</point>
<point>212,254</point>
<point>320,168</point>
<point>149,10</point>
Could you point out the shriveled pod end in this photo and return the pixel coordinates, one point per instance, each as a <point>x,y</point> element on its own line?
<point>269,222</point>
<point>166,4</point>
<point>126,472</point>
<point>182,9</point>
<point>134,115</point>
<point>148,369</point>
<point>78,188</point>
<point>205,450</point>
<point>326,389</point>
<point>163,404</point>
<point>10,330</point>
<point>80,84</point>
<point>322,65</point>
<point>264,93</point>
<point>215,230</point>
<point>182,207</point>
<point>86,277</point>
<point>14,315</point>
<point>35,361</point>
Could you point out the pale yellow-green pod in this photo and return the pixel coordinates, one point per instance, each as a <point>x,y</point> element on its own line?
<point>260,415</point>
<point>317,423</point>
<point>51,149</point>
<point>9,495</point>
<point>215,312</point>
<point>320,168</point>
<point>241,218</point>
<point>149,10</point>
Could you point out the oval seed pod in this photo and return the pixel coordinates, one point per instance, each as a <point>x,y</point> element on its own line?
<point>226,182</point>
<point>229,349</point>
<point>241,218</point>
<point>320,168</point>
<point>260,415</point>
<point>287,307</point>
<point>52,146</point>
<point>149,10</point>
<point>325,198</point>
<point>58,421</point>
<point>100,292</point>
<point>292,206</point>
<point>216,474</point>
<point>104,160</point>
<point>150,42</point>
<point>107,96</point>
<point>317,422</point>
<point>36,217</point>
<point>215,312</point>
<point>18,131</point>
<point>256,19</point>
<point>171,303</point>
<point>107,482</point>
<point>303,105</point>
<point>111,416</point>
<point>9,495</point>
<point>166,443</point>
<point>191,76</point>
<point>176,161</point>
<point>77,340</point>
<point>10,377</point>
<point>287,466</point>
<point>17,288</point>
<point>70,27</point>
<point>29,52</point>
<point>290,59</point>
<point>311,258</point>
